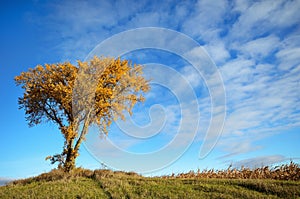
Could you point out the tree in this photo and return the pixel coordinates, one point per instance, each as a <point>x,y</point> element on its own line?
<point>95,92</point>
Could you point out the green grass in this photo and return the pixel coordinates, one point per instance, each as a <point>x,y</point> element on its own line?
<point>74,188</point>
<point>108,184</point>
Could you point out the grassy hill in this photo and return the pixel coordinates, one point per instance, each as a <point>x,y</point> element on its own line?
<point>108,184</point>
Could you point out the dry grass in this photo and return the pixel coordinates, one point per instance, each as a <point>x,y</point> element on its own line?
<point>284,172</point>
<point>59,174</point>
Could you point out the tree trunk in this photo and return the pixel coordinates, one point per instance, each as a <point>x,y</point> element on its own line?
<point>69,163</point>
<point>72,152</point>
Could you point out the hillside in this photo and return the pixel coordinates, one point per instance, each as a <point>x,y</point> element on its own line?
<point>108,184</point>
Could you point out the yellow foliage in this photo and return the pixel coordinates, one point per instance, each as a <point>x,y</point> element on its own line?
<point>96,92</point>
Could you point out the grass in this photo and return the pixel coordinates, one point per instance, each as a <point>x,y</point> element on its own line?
<point>82,183</point>
<point>74,188</point>
<point>284,172</point>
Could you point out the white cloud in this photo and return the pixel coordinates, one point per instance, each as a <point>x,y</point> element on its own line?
<point>260,161</point>
<point>288,57</point>
<point>254,21</point>
<point>192,76</point>
<point>263,17</point>
<point>261,93</point>
<point>260,47</point>
<point>241,5</point>
<point>217,51</point>
<point>286,15</point>
<point>236,68</point>
<point>236,146</point>
<point>200,25</point>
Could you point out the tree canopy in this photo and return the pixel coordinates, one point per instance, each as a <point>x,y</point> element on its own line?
<point>74,97</point>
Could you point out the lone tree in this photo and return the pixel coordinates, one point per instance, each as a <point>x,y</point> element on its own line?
<point>75,97</point>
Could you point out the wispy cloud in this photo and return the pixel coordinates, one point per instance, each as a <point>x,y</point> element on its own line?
<point>255,45</point>
<point>260,161</point>
<point>261,47</point>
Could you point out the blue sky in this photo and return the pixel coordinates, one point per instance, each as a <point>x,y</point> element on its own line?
<point>253,45</point>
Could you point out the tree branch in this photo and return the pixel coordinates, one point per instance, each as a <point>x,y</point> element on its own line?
<point>53,116</point>
<point>84,130</point>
